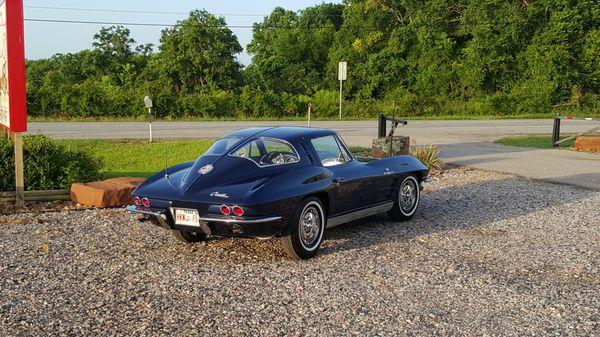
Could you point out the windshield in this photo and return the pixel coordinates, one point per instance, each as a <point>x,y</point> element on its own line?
<point>221,146</point>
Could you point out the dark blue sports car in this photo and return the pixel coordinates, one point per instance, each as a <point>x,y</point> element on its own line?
<point>289,182</point>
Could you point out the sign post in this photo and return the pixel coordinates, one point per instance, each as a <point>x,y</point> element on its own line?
<point>342,75</point>
<point>13,114</point>
<point>309,108</point>
<point>148,105</point>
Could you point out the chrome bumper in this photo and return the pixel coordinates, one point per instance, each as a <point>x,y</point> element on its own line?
<point>158,216</point>
<point>161,217</point>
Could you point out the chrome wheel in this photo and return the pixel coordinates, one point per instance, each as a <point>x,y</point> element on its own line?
<point>310,226</point>
<point>408,196</point>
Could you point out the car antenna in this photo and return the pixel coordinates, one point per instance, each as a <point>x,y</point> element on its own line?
<point>166,165</point>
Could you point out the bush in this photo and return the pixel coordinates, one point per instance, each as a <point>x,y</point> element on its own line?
<point>47,165</point>
<point>428,155</point>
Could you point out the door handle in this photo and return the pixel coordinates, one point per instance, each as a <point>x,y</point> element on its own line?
<point>338,180</point>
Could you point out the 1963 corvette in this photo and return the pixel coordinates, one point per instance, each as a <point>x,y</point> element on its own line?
<point>290,182</point>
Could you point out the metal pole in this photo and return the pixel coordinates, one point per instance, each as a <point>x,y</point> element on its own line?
<point>150,122</point>
<point>556,131</point>
<point>341,99</point>
<point>309,108</point>
<point>19,181</point>
<point>381,126</point>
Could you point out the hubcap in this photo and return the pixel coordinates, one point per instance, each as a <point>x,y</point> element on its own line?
<point>310,226</point>
<point>408,196</point>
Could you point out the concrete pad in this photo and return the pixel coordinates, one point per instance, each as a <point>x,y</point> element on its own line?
<point>106,193</point>
<point>554,165</point>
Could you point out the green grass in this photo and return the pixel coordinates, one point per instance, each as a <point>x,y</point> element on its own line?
<point>541,142</point>
<point>137,158</point>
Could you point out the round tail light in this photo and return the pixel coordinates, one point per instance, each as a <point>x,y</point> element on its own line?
<point>237,210</point>
<point>225,209</point>
<point>145,202</point>
<point>137,201</point>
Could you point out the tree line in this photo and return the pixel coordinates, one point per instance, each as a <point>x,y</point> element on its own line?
<point>427,58</point>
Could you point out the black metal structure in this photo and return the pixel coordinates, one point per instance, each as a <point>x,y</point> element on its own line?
<point>382,126</point>
<point>556,131</point>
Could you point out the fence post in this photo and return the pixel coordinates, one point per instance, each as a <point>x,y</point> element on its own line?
<point>556,131</point>
<point>381,126</point>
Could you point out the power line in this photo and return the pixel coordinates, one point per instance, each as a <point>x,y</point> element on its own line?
<point>132,11</point>
<point>159,12</point>
<point>150,24</point>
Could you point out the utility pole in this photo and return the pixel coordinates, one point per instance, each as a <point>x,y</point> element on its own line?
<point>342,75</point>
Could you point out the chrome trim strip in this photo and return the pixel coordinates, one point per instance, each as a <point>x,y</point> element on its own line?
<point>242,221</point>
<point>363,213</point>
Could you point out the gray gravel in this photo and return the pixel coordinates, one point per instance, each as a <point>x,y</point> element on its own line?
<point>487,254</point>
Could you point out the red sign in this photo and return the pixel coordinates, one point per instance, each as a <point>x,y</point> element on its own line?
<point>13,114</point>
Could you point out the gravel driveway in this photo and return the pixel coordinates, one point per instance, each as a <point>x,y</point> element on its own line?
<point>487,254</point>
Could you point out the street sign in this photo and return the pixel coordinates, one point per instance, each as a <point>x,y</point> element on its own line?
<point>342,75</point>
<point>342,71</point>
<point>13,105</point>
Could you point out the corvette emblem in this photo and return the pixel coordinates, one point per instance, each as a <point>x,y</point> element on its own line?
<point>206,169</point>
<point>219,195</point>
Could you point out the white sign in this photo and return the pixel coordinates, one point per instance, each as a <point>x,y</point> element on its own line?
<point>342,71</point>
<point>4,101</point>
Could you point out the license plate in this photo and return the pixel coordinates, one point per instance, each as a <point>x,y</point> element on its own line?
<point>187,217</point>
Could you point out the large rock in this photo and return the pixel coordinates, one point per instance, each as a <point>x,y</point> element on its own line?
<point>588,143</point>
<point>381,146</point>
<point>106,193</point>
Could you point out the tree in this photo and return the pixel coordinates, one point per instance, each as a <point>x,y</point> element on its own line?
<point>289,50</point>
<point>198,55</point>
<point>114,42</point>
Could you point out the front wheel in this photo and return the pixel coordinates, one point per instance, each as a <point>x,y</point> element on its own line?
<point>305,231</point>
<point>188,237</point>
<point>407,201</point>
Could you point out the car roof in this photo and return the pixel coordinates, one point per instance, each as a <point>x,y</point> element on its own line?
<point>288,133</point>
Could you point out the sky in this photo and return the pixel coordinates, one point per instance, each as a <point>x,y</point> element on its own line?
<point>44,39</point>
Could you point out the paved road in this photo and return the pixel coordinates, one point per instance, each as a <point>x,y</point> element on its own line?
<point>462,142</point>
<point>354,132</point>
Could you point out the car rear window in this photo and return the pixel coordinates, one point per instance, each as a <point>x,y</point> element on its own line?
<point>268,152</point>
<point>221,146</point>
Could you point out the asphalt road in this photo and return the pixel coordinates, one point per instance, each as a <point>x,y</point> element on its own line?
<point>463,142</point>
<point>354,132</point>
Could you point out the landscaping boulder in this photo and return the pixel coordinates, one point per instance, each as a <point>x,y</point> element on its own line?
<point>106,193</point>
<point>588,143</point>
<point>399,145</point>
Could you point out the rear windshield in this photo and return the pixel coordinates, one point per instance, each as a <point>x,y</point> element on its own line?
<point>221,146</point>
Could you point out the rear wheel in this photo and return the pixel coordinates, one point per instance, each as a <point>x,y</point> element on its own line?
<point>188,237</point>
<point>305,232</point>
<point>407,201</point>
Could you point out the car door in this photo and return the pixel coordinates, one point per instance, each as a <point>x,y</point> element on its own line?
<point>351,183</point>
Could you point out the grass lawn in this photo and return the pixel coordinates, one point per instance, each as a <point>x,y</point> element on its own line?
<point>542,142</point>
<point>138,158</point>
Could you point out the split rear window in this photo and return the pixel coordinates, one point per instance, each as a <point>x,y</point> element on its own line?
<point>221,146</point>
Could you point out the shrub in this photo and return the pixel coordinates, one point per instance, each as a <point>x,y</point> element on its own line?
<point>428,155</point>
<point>47,165</point>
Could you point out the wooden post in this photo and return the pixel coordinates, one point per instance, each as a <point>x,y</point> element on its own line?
<point>19,180</point>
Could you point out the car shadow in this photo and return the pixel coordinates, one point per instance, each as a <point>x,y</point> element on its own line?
<point>468,206</point>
